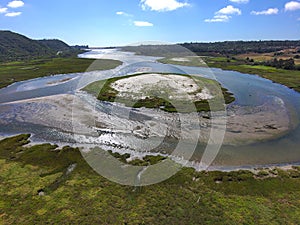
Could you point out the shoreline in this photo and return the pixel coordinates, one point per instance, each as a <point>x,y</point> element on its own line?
<point>261,71</point>
<point>245,125</point>
<point>66,112</point>
<point>190,164</point>
<point>60,109</point>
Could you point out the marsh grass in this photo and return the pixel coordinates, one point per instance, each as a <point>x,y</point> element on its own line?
<point>84,197</point>
<point>289,78</point>
<point>11,72</point>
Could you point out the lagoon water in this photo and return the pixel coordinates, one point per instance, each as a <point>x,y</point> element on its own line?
<point>249,91</point>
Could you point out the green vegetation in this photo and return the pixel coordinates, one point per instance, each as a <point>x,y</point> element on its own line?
<point>11,72</point>
<point>216,48</point>
<point>16,47</point>
<point>36,190</point>
<point>22,58</point>
<point>241,47</point>
<point>104,92</point>
<point>268,59</point>
<point>289,78</point>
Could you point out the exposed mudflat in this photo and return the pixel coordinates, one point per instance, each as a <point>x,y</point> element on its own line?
<point>262,124</point>
<point>71,113</point>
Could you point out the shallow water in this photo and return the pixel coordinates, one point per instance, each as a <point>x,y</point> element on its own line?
<point>249,90</point>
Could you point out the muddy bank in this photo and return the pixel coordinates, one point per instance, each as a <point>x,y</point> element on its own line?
<point>79,114</point>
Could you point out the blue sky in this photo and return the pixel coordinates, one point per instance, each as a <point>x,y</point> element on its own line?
<point>122,22</point>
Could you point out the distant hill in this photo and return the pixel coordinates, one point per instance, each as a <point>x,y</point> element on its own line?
<point>216,48</point>
<point>15,46</point>
<point>56,45</point>
<point>242,47</point>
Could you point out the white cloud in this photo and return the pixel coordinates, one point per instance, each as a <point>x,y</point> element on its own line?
<point>223,14</point>
<point>270,11</point>
<point>142,24</point>
<point>3,10</point>
<point>15,4</point>
<point>13,14</point>
<point>218,18</point>
<point>239,1</point>
<point>292,6</point>
<point>229,10</point>
<point>162,5</point>
<point>121,13</point>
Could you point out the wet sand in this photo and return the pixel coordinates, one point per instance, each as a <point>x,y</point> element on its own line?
<point>70,113</point>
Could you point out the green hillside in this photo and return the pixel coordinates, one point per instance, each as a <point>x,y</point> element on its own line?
<point>55,44</point>
<point>16,47</point>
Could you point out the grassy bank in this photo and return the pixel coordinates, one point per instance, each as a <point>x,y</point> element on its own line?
<point>104,92</point>
<point>84,197</point>
<point>18,71</point>
<point>289,78</point>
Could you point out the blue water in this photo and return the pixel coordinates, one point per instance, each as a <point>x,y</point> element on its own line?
<point>249,90</point>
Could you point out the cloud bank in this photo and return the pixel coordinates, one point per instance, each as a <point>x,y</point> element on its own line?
<point>224,14</point>
<point>15,4</point>
<point>162,5</point>
<point>3,10</point>
<point>121,13</point>
<point>218,18</point>
<point>229,10</point>
<point>239,1</point>
<point>13,14</point>
<point>292,6</point>
<point>142,24</point>
<point>271,11</point>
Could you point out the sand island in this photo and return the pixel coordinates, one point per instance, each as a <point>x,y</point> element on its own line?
<point>169,92</point>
